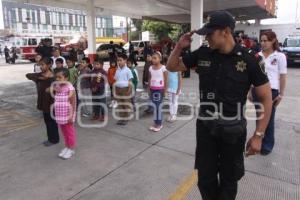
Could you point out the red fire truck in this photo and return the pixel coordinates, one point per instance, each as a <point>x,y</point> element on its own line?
<point>26,46</point>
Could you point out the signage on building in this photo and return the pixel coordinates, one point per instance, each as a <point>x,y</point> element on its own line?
<point>64,10</point>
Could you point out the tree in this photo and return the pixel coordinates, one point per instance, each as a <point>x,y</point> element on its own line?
<point>160,29</point>
<point>164,29</point>
<point>138,23</point>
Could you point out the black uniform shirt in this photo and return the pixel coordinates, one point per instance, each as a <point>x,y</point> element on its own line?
<point>225,79</point>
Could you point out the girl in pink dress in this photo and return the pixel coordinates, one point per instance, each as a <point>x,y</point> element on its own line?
<point>65,111</point>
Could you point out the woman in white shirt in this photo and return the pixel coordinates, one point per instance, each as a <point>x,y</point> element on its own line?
<point>276,69</point>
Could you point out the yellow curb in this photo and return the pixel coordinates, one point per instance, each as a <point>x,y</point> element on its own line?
<point>185,187</point>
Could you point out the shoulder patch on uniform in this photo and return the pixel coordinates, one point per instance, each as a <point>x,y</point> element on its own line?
<point>204,63</point>
<point>241,66</point>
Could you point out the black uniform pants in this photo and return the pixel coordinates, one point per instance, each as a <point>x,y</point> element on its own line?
<point>99,97</point>
<point>52,130</point>
<point>220,162</point>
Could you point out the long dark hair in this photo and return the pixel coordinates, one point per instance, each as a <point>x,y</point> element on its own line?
<point>271,35</point>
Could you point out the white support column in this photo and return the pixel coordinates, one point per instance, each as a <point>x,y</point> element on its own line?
<point>91,30</point>
<point>196,22</point>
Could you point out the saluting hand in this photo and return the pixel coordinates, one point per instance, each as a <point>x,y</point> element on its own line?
<point>185,40</point>
<point>253,145</point>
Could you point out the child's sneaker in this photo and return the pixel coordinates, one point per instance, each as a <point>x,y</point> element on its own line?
<point>62,152</point>
<point>172,118</point>
<point>69,153</point>
<point>157,129</point>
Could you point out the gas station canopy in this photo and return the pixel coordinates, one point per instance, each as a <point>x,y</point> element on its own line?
<point>168,10</point>
<point>178,11</point>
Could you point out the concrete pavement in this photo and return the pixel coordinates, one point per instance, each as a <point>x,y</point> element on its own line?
<point>130,163</point>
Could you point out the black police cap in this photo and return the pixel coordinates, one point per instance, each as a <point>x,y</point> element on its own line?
<point>218,19</point>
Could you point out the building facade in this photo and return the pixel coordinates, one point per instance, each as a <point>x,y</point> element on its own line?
<point>24,19</point>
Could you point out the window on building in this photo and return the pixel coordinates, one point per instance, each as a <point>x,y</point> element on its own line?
<point>61,27</point>
<point>53,17</point>
<point>78,20</point>
<point>43,17</point>
<point>28,15</point>
<point>65,19</point>
<point>13,16</point>
<point>84,21</point>
<point>24,41</point>
<point>45,27</point>
<point>24,26</point>
<point>38,16</point>
<point>60,19</point>
<point>53,27</point>
<point>32,41</point>
<point>98,22</point>
<point>33,16</point>
<point>74,20</point>
<point>20,15</point>
<point>24,15</point>
<point>103,23</point>
<point>70,19</point>
<point>109,23</point>
<point>14,25</point>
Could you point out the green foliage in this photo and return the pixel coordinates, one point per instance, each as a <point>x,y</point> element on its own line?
<point>164,29</point>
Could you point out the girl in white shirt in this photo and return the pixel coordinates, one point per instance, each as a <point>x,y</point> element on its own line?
<point>276,69</point>
<point>158,83</point>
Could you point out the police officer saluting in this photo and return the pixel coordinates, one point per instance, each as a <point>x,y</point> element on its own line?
<point>226,72</point>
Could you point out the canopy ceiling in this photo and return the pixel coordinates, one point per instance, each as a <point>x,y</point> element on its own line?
<point>168,10</point>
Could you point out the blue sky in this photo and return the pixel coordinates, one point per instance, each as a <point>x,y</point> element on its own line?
<point>286,13</point>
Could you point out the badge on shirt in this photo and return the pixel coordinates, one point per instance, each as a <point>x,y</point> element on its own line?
<point>274,61</point>
<point>241,66</point>
<point>204,63</point>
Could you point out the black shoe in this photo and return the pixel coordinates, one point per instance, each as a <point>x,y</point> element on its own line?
<point>149,111</point>
<point>48,144</point>
<point>124,122</point>
<point>264,152</point>
<point>120,122</point>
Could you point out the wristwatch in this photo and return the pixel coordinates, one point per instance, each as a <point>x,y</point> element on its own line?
<point>259,134</point>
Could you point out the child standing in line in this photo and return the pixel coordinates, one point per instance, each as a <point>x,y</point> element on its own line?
<point>59,63</point>
<point>84,88</point>
<point>73,73</point>
<point>123,88</point>
<point>37,65</point>
<point>86,62</point>
<point>43,81</point>
<point>98,78</point>
<point>111,80</point>
<point>65,110</point>
<point>158,82</point>
<point>134,80</point>
<point>174,89</point>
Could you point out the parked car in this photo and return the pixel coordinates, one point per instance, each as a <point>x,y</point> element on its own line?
<point>291,48</point>
<point>102,51</point>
